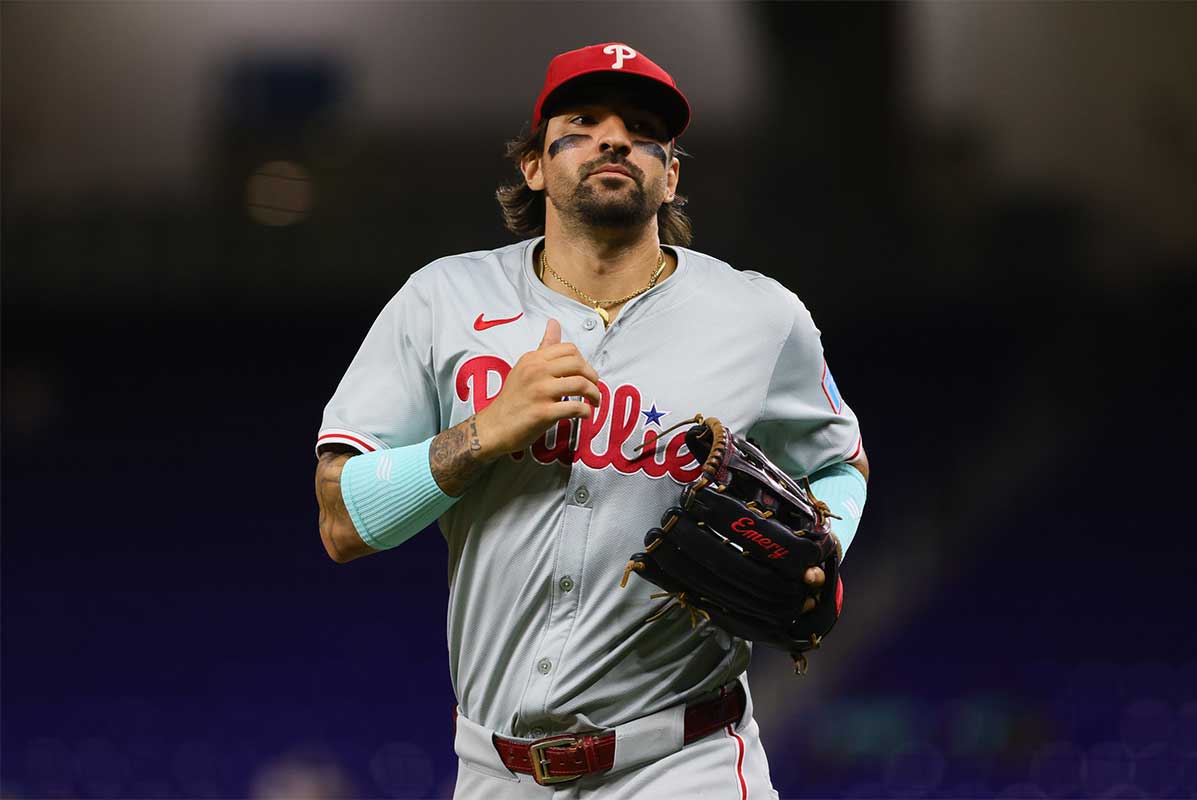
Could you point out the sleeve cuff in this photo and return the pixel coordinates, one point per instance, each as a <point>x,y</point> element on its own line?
<point>362,442</point>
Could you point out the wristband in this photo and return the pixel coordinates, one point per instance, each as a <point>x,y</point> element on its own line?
<point>843,489</point>
<point>391,495</point>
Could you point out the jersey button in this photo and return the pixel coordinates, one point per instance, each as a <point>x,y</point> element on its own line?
<point>589,323</point>
<point>566,584</point>
<point>581,495</point>
<point>544,665</point>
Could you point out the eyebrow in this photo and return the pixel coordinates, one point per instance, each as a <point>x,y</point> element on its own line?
<point>630,109</point>
<point>650,119</point>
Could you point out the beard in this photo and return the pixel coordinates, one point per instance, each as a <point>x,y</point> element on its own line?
<point>626,206</point>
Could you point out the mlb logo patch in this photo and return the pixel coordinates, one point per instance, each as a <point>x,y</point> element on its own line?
<point>832,391</point>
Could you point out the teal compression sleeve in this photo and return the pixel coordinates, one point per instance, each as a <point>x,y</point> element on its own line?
<point>391,495</point>
<point>843,489</point>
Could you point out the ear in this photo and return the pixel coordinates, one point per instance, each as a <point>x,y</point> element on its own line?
<point>671,179</point>
<point>530,165</point>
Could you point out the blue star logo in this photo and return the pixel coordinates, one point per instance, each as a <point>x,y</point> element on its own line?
<point>653,417</point>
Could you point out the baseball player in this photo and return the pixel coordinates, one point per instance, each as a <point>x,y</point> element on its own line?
<point>504,393</point>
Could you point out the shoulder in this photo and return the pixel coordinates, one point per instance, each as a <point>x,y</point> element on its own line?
<point>500,265</point>
<point>738,290</point>
<point>461,277</point>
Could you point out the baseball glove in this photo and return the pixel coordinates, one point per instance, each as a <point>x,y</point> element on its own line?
<point>736,548</point>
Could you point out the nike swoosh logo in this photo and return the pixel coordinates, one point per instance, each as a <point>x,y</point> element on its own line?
<point>481,324</point>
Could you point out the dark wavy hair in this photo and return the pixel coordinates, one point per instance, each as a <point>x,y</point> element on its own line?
<point>523,207</point>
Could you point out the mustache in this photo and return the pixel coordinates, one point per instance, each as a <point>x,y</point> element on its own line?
<point>614,160</point>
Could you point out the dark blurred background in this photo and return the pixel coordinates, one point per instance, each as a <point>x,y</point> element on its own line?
<point>991,210</point>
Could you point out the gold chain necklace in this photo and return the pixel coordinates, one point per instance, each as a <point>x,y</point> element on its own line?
<point>601,305</point>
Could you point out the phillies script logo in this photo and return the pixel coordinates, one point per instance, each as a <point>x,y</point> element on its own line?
<point>618,412</point>
<point>746,527</point>
<point>621,52</point>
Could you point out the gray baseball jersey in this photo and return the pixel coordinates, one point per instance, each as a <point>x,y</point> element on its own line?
<point>541,637</point>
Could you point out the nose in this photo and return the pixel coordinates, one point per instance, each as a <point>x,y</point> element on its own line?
<point>613,135</point>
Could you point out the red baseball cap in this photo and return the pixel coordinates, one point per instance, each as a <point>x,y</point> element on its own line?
<point>596,66</point>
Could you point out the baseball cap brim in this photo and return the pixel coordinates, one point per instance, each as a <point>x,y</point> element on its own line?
<point>605,85</point>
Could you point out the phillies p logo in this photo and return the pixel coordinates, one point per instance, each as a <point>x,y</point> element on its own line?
<point>621,52</point>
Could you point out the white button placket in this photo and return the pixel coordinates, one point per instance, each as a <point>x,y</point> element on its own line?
<point>567,591</point>
<point>565,587</point>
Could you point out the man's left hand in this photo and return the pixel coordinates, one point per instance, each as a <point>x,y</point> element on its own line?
<point>814,578</point>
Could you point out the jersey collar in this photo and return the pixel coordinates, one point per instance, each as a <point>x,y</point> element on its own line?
<point>649,299</point>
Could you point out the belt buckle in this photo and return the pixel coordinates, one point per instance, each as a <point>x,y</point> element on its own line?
<point>540,763</point>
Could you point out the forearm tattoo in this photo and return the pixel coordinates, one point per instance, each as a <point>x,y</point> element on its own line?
<point>333,518</point>
<point>453,457</point>
<point>475,445</point>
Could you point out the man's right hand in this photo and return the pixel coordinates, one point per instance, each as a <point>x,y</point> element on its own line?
<point>530,401</point>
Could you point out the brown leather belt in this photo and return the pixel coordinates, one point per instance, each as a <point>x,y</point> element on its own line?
<point>557,759</point>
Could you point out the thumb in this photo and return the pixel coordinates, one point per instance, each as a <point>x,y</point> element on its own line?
<point>552,334</point>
